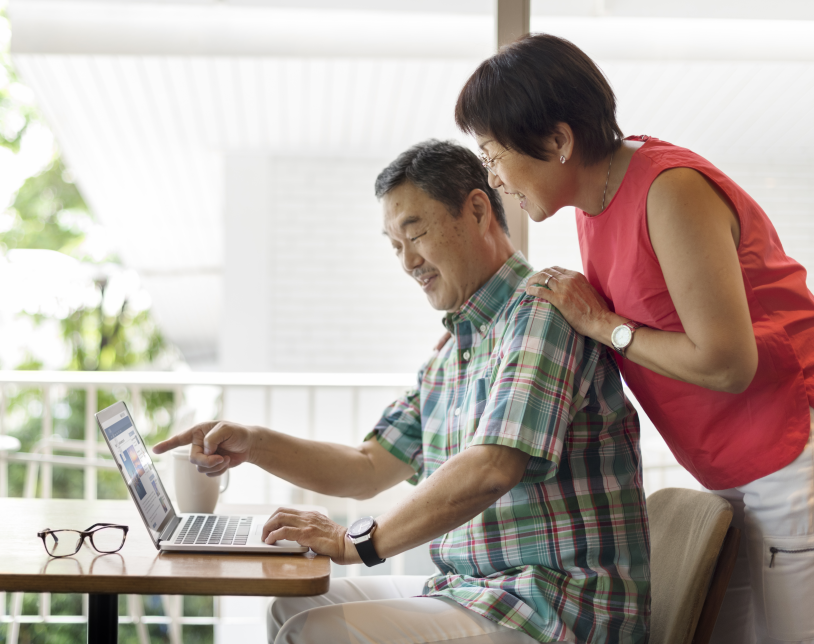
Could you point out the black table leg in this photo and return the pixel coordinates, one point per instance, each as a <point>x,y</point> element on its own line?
<point>103,619</point>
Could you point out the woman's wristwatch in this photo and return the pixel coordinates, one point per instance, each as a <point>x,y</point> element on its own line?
<point>361,533</point>
<point>622,336</point>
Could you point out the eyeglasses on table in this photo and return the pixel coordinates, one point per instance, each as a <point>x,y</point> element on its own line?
<point>106,538</point>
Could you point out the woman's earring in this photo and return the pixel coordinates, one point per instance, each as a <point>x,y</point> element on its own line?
<point>562,159</point>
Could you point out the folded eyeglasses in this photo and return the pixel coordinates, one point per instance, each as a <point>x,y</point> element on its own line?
<point>106,538</point>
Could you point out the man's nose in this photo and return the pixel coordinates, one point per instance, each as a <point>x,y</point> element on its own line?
<point>410,259</point>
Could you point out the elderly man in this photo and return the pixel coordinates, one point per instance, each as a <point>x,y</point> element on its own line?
<point>532,492</point>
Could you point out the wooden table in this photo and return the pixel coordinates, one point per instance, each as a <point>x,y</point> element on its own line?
<point>138,568</point>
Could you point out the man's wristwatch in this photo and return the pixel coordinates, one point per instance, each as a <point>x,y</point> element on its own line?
<point>622,336</point>
<point>361,533</point>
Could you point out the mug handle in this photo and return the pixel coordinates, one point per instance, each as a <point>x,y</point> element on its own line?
<point>224,482</point>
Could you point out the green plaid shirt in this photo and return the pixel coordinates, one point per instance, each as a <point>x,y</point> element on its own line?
<point>565,554</point>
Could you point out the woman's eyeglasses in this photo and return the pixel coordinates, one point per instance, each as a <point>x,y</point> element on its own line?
<point>489,162</point>
<point>104,537</point>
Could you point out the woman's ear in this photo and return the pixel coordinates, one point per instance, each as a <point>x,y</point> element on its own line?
<point>562,142</point>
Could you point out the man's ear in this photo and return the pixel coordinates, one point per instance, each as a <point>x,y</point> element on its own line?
<point>481,208</point>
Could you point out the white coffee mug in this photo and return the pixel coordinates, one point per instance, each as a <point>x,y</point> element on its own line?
<point>196,493</point>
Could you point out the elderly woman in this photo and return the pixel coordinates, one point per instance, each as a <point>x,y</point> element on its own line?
<point>686,278</point>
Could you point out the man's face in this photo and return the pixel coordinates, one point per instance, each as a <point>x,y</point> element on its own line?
<point>438,250</point>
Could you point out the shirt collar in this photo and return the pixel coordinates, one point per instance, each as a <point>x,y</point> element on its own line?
<point>488,301</point>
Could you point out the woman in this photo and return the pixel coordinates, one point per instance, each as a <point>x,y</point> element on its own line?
<point>686,278</point>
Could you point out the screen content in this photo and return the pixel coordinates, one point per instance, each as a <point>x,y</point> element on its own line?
<point>137,468</point>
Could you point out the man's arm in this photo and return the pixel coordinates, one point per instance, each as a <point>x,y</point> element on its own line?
<point>526,415</point>
<point>463,487</point>
<point>328,468</point>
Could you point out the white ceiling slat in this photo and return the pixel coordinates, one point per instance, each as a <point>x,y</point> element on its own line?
<point>200,70</point>
<point>400,126</point>
<point>172,193</point>
<point>263,104</point>
<point>176,101</point>
<point>425,103</point>
<point>337,117</point>
<point>385,85</point>
<point>248,92</point>
<point>792,130</point>
<point>319,106</point>
<point>758,97</point>
<point>225,102</point>
<point>173,87</point>
<point>361,100</point>
<point>293,95</point>
<point>180,81</point>
<point>787,116</point>
<point>39,75</point>
<point>696,87</point>
<point>727,100</point>
<point>79,83</point>
<point>274,124</point>
<point>158,197</point>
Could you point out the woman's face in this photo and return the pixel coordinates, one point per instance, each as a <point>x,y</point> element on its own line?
<point>542,187</point>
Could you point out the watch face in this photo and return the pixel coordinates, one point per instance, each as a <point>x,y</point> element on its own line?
<point>622,335</point>
<point>360,527</point>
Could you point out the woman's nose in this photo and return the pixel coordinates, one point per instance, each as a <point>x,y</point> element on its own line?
<point>494,180</point>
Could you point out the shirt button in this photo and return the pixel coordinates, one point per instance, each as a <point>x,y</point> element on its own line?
<point>483,328</point>
<point>467,355</point>
<point>458,411</point>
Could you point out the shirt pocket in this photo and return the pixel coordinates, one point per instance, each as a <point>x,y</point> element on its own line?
<point>474,405</point>
<point>788,583</point>
<point>480,395</point>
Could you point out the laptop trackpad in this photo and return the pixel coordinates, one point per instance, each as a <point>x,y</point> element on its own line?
<point>280,543</point>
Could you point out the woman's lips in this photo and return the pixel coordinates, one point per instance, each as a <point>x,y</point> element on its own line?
<point>520,197</point>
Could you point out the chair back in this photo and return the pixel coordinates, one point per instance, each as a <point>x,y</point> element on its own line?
<point>687,530</point>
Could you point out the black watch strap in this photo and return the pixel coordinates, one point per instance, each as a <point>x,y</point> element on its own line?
<point>368,553</point>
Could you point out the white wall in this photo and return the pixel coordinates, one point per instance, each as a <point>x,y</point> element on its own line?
<point>310,282</point>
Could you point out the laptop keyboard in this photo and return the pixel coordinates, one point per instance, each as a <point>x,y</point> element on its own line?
<point>214,530</point>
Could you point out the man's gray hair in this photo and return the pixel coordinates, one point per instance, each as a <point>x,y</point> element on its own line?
<point>446,171</point>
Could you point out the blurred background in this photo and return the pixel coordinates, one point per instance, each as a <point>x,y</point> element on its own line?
<point>187,220</point>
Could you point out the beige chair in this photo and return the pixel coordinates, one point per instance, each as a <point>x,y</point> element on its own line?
<point>693,551</point>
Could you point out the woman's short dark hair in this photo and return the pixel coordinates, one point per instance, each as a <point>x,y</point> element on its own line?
<point>519,95</point>
<point>446,171</point>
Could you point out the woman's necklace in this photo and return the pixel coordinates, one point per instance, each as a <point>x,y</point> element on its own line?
<point>606,182</point>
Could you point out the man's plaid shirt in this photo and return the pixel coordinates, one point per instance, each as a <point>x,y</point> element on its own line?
<point>565,554</point>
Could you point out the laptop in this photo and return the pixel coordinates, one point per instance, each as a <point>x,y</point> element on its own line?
<point>169,530</point>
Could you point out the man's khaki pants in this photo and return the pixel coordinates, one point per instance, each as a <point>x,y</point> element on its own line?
<point>381,610</point>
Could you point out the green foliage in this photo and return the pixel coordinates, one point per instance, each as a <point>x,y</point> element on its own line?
<point>16,109</point>
<point>102,342</point>
<point>49,213</point>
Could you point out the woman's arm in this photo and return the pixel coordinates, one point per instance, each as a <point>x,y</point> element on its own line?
<point>694,232</point>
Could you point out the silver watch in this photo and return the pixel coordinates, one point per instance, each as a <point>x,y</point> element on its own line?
<point>622,336</point>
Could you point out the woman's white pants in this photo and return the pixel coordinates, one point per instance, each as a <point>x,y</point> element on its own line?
<point>771,594</point>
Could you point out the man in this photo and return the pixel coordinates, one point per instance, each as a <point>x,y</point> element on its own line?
<point>532,495</point>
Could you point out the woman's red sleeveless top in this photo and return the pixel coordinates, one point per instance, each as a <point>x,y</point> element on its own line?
<point>724,440</point>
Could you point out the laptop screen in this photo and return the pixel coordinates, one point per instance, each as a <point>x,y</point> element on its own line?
<point>136,466</point>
